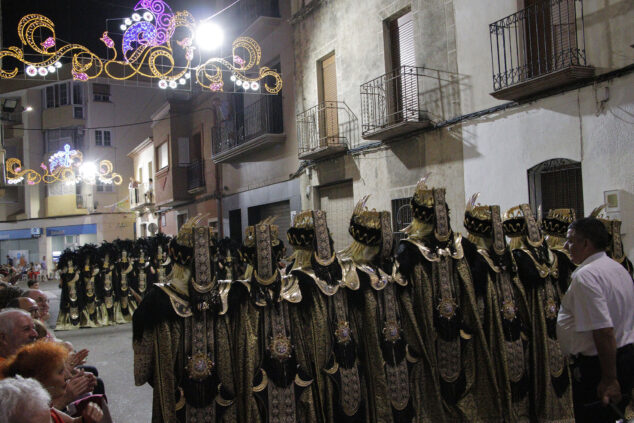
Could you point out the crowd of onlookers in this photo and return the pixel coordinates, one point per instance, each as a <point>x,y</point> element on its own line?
<point>15,270</point>
<point>42,378</point>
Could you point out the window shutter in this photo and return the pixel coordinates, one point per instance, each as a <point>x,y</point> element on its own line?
<point>328,116</point>
<point>402,41</point>
<point>183,150</point>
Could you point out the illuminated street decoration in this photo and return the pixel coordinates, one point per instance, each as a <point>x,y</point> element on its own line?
<point>209,74</point>
<point>64,166</point>
<point>146,50</point>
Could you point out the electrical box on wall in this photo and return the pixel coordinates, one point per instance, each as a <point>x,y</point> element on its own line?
<point>613,201</point>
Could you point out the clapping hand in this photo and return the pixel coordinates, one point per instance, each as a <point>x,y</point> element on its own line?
<point>77,358</point>
<point>92,413</point>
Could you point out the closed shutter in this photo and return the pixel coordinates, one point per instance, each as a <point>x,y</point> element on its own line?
<point>564,33</point>
<point>282,213</point>
<point>329,125</point>
<point>402,41</point>
<point>337,201</point>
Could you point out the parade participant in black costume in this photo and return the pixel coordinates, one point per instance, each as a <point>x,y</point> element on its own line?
<point>141,279</point>
<point>91,315</point>
<point>554,227</point>
<point>506,319</point>
<point>538,271</point>
<point>327,325</point>
<point>272,381</point>
<point>70,307</point>
<point>442,319</point>
<point>123,281</point>
<point>156,247</point>
<point>105,281</point>
<point>368,263</point>
<point>181,346</point>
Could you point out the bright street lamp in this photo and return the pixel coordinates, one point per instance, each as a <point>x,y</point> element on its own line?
<point>209,36</point>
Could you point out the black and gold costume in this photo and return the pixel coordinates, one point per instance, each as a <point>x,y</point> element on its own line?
<point>70,306</point>
<point>328,327</point>
<point>506,317</point>
<point>615,250</point>
<point>274,378</point>
<point>456,378</point>
<point>538,270</point>
<point>368,264</point>
<point>181,343</point>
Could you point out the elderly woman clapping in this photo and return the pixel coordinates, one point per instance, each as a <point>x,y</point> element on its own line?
<point>46,362</point>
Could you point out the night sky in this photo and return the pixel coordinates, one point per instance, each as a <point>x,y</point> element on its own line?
<point>83,21</point>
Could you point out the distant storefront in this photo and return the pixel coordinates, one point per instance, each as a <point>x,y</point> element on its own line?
<point>63,237</point>
<point>20,244</point>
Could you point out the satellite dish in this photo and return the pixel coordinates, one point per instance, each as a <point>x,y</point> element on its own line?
<point>152,227</point>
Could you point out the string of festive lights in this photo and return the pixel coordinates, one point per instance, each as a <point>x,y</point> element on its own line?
<point>146,50</point>
<point>64,166</point>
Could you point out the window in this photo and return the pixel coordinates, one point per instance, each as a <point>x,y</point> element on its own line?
<point>78,93</point>
<point>101,92</point>
<point>50,97</point>
<point>556,184</point>
<point>162,156</point>
<point>102,138</point>
<point>183,151</point>
<point>101,187</point>
<point>78,112</point>
<point>140,174</point>
<point>58,95</point>
<point>62,90</point>
<point>181,218</point>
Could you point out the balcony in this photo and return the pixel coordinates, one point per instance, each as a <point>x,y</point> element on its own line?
<point>260,124</point>
<point>538,48</point>
<point>326,129</point>
<point>141,196</point>
<point>393,104</point>
<point>196,177</point>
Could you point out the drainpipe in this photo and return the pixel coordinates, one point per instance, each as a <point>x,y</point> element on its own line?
<point>219,189</point>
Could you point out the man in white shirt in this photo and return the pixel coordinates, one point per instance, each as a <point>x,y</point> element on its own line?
<point>596,325</point>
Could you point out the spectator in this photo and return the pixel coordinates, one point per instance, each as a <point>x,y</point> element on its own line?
<point>43,268</point>
<point>8,292</point>
<point>26,304</point>
<point>23,401</point>
<point>9,261</point>
<point>26,401</point>
<point>42,302</point>
<point>596,325</point>
<point>47,362</point>
<point>33,284</point>
<point>16,330</point>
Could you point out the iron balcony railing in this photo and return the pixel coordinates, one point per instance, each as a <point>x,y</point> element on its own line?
<point>257,119</point>
<point>546,37</point>
<point>328,124</point>
<point>396,97</point>
<point>142,194</point>
<point>195,175</point>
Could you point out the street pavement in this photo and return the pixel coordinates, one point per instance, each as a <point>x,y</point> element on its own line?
<point>111,353</point>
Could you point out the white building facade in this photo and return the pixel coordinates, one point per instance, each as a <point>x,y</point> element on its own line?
<point>390,91</point>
